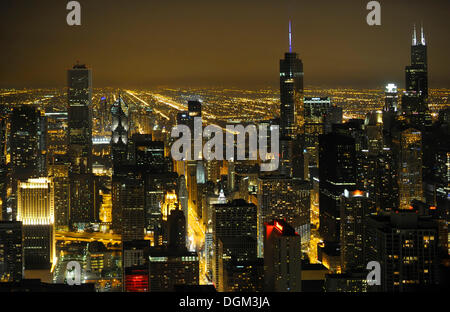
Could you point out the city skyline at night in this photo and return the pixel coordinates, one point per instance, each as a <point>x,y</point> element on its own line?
<point>239,150</point>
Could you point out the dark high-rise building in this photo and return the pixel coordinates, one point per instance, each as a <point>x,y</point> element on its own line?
<point>149,154</point>
<point>333,117</point>
<point>316,109</point>
<point>291,91</point>
<point>337,172</point>
<point>416,73</point>
<point>11,251</point>
<point>415,98</point>
<point>132,207</point>
<point>355,207</point>
<point>176,228</point>
<point>244,276</point>
<point>232,220</point>
<point>406,246</point>
<point>79,96</point>
<point>25,141</point>
<point>168,268</point>
<point>282,258</point>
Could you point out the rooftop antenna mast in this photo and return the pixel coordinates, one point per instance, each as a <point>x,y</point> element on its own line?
<point>290,37</point>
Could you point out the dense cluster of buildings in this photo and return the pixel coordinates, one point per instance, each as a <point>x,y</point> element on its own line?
<point>99,187</point>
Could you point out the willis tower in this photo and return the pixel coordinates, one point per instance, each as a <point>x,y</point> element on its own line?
<point>415,98</point>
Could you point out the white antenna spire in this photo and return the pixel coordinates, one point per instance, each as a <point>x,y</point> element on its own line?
<point>414,38</point>
<point>422,36</point>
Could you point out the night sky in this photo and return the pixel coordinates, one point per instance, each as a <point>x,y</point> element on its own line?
<point>148,43</point>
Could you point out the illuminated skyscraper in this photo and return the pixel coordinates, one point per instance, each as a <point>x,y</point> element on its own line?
<point>390,109</point>
<point>35,209</point>
<point>409,148</point>
<point>59,174</point>
<point>390,98</point>
<point>282,258</point>
<point>291,91</point>
<point>119,136</point>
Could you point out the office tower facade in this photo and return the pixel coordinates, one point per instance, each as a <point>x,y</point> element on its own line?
<point>355,281</point>
<point>409,150</point>
<point>244,276</point>
<point>237,219</point>
<point>355,208</point>
<point>333,117</point>
<point>168,268</point>
<point>35,209</point>
<point>26,142</point>
<point>79,96</point>
<point>282,258</point>
<point>176,228</point>
<point>132,202</point>
<point>291,91</point>
<point>316,109</point>
<point>156,187</point>
<point>11,251</point>
<point>150,154</point>
<point>405,245</point>
<point>56,135</point>
<point>283,198</point>
<point>59,173</point>
<point>337,172</point>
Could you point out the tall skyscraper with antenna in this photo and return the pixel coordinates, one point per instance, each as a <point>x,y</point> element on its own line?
<point>414,100</point>
<point>291,90</point>
<point>417,72</point>
<point>415,97</point>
